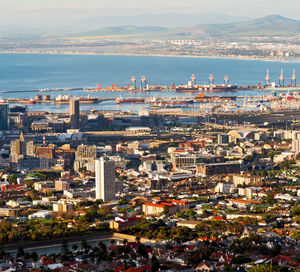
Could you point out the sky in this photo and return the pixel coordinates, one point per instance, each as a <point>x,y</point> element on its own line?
<point>38,12</point>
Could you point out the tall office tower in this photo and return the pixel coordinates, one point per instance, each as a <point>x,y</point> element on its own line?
<point>74,113</point>
<point>105,179</point>
<point>3,116</point>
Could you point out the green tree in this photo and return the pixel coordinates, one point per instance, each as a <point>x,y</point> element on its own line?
<point>154,264</point>
<point>64,246</point>
<point>12,179</point>
<point>20,252</point>
<point>34,256</point>
<point>74,247</point>
<point>263,268</point>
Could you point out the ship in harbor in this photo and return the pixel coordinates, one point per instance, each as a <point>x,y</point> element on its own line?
<point>201,97</point>
<point>65,99</point>
<point>192,86</point>
<point>122,100</point>
<point>281,87</point>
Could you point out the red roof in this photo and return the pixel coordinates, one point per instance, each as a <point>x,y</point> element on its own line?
<point>166,204</point>
<point>154,205</point>
<point>176,201</point>
<point>217,218</point>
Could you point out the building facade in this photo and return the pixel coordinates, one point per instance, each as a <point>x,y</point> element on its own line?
<point>3,116</point>
<point>74,113</point>
<point>105,179</point>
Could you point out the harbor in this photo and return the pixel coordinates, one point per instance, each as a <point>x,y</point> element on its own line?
<point>139,95</point>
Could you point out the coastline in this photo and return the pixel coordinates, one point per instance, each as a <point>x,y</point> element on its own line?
<point>230,57</point>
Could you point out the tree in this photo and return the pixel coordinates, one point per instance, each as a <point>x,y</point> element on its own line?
<point>296,210</point>
<point>34,256</point>
<point>84,244</point>
<point>263,268</point>
<point>74,247</point>
<point>64,246</point>
<point>241,260</point>
<point>20,252</point>
<point>12,179</point>
<point>270,197</point>
<point>154,264</point>
<point>142,251</point>
<point>102,247</point>
<point>123,201</point>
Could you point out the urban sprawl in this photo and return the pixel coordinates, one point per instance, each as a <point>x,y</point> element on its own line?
<point>119,191</point>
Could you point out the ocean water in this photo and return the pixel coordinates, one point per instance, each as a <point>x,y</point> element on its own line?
<point>39,71</point>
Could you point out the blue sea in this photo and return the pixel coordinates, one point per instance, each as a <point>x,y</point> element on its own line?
<point>40,71</point>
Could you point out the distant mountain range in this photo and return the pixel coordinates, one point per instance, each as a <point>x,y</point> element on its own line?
<point>265,26</point>
<point>269,25</point>
<point>163,20</point>
<point>85,23</point>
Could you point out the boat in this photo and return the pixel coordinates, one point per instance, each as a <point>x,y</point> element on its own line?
<point>121,100</point>
<point>88,100</point>
<point>31,101</point>
<point>282,88</point>
<point>201,97</point>
<point>65,99</point>
<point>207,88</point>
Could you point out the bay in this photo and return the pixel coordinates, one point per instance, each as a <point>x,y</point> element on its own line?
<point>40,71</point>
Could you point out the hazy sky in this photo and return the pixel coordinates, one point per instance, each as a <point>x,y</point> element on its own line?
<point>41,11</point>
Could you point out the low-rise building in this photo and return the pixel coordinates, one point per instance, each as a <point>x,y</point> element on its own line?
<point>63,206</point>
<point>188,223</point>
<point>208,169</point>
<point>225,188</point>
<point>157,209</point>
<point>240,179</point>
<point>121,223</point>
<point>8,212</point>
<point>61,185</point>
<point>42,214</point>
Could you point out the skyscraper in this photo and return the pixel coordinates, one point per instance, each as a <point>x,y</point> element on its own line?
<point>105,179</point>
<point>3,116</point>
<point>74,113</point>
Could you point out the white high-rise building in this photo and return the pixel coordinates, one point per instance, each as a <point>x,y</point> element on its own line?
<point>105,179</point>
<point>296,146</point>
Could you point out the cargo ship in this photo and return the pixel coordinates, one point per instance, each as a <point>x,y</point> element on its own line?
<point>121,100</point>
<point>282,88</point>
<point>193,86</point>
<point>207,88</point>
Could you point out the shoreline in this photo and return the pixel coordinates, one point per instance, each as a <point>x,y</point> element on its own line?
<point>229,57</point>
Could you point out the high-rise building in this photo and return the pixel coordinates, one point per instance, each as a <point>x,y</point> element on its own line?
<point>3,116</point>
<point>296,146</point>
<point>74,113</point>
<point>105,179</point>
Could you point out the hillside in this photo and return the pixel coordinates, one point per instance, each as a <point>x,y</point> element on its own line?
<point>269,25</point>
<point>265,26</point>
<point>121,31</point>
